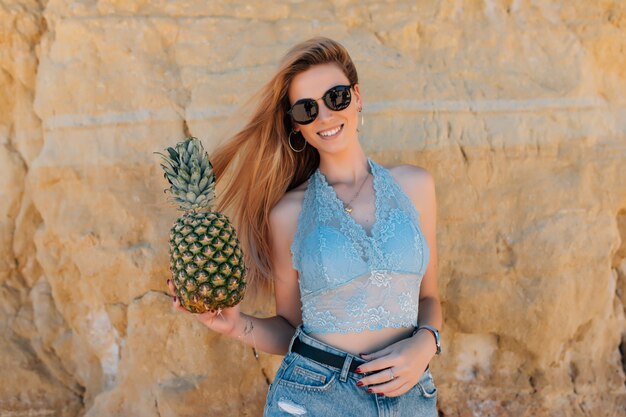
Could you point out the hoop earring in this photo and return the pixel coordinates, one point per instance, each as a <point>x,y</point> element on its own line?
<point>291,146</point>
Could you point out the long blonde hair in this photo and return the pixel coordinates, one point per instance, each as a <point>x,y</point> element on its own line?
<point>263,165</point>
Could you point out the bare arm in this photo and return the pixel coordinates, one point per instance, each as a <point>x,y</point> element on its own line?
<point>271,334</point>
<point>430,306</point>
<point>423,194</point>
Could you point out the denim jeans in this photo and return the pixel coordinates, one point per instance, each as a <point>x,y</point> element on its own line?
<point>304,387</point>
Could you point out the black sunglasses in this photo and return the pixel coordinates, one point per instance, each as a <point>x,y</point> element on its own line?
<point>304,111</point>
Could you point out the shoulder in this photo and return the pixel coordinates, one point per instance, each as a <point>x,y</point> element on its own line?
<point>411,175</point>
<point>284,214</point>
<point>407,169</point>
<point>417,182</point>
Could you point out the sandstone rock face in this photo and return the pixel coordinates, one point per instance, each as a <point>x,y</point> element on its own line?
<point>517,108</point>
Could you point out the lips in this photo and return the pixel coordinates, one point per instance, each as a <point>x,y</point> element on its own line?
<point>330,130</point>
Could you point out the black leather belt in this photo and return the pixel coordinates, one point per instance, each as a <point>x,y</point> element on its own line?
<point>322,356</point>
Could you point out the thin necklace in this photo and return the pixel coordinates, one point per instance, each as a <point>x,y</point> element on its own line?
<point>347,207</point>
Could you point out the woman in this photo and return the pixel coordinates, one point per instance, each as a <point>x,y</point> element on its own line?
<point>348,244</point>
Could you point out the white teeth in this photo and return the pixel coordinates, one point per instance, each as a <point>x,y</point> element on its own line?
<point>330,132</point>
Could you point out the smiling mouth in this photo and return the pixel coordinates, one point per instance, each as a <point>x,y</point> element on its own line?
<point>339,129</point>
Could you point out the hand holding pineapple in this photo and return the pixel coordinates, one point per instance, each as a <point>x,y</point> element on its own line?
<point>223,321</point>
<point>206,260</point>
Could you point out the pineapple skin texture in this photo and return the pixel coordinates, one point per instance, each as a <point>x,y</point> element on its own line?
<point>206,262</point>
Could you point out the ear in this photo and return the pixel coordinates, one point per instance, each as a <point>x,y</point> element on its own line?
<point>357,93</point>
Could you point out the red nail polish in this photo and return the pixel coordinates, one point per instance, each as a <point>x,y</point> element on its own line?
<point>380,394</point>
<point>369,390</point>
<point>357,370</point>
<point>359,384</point>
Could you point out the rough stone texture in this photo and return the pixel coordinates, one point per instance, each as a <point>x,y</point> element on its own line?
<point>518,108</point>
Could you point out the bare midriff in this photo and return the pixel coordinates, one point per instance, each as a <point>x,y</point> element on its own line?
<point>367,341</point>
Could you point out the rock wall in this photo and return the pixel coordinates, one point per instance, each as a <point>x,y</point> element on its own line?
<point>518,108</point>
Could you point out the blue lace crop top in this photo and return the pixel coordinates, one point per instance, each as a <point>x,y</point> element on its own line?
<point>351,281</point>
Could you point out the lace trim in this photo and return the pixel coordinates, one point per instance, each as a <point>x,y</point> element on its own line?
<point>309,328</point>
<point>334,198</point>
<point>367,245</point>
<point>374,277</point>
<point>377,319</point>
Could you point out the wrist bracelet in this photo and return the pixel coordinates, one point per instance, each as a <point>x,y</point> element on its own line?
<point>248,329</point>
<point>433,331</point>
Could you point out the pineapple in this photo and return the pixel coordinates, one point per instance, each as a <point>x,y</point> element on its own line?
<point>206,260</point>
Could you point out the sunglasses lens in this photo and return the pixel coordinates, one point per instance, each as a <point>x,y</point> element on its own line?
<point>304,112</point>
<point>338,98</point>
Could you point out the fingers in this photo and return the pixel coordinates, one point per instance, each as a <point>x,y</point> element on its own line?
<point>376,365</point>
<point>178,306</point>
<point>382,387</point>
<point>209,314</point>
<point>170,286</point>
<point>379,377</point>
<point>175,300</point>
<point>205,317</point>
<point>375,355</point>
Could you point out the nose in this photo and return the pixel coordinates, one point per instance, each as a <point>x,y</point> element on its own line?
<point>324,111</point>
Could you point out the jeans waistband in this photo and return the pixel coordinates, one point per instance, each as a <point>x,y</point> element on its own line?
<point>305,338</point>
<point>349,362</point>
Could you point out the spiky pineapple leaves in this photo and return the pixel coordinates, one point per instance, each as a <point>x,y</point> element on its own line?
<point>188,170</point>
